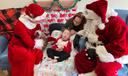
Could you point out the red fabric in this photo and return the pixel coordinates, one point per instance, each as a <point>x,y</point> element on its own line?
<point>100,8</point>
<point>127,37</point>
<point>34,9</point>
<point>26,35</point>
<point>84,65</point>
<point>11,12</point>
<point>54,46</point>
<point>51,39</point>
<point>114,37</point>
<point>108,69</point>
<point>54,40</point>
<point>22,56</point>
<point>67,48</point>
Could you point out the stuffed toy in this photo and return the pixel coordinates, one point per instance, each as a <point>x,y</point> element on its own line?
<point>106,45</point>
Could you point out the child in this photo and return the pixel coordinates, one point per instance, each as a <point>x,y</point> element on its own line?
<point>61,49</point>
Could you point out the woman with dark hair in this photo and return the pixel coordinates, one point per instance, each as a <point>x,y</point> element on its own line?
<point>76,23</point>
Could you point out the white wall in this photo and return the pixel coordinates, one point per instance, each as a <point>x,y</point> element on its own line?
<point>123,4</point>
<point>4,4</point>
<point>116,4</point>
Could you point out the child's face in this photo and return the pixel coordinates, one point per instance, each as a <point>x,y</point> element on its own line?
<point>66,35</point>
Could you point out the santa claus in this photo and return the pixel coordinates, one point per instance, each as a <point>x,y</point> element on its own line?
<point>105,33</point>
<point>24,49</point>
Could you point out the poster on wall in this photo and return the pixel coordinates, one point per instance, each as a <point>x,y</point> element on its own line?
<point>58,11</point>
<point>56,16</point>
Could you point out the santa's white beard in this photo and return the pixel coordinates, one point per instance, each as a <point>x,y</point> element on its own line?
<point>92,25</point>
<point>89,30</point>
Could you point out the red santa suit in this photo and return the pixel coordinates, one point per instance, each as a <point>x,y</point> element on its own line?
<point>23,52</point>
<point>114,39</point>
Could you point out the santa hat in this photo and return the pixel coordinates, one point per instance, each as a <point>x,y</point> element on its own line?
<point>100,8</point>
<point>35,10</point>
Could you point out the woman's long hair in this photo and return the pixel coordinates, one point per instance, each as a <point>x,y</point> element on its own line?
<point>81,16</point>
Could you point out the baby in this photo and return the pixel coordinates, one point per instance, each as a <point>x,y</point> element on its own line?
<point>61,49</point>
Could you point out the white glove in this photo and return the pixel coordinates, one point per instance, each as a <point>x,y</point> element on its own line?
<point>81,32</point>
<point>39,43</point>
<point>123,59</point>
<point>103,55</point>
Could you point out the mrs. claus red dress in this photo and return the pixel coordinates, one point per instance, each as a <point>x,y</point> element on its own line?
<point>21,52</point>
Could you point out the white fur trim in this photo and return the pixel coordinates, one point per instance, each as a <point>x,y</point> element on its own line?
<point>104,56</point>
<point>88,74</point>
<point>101,26</point>
<point>39,43</point>
<point>123,59</point>
<point>43,16</point>
<point>25,20</point>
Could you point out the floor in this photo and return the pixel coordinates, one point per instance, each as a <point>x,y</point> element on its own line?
<point>3,73</point>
